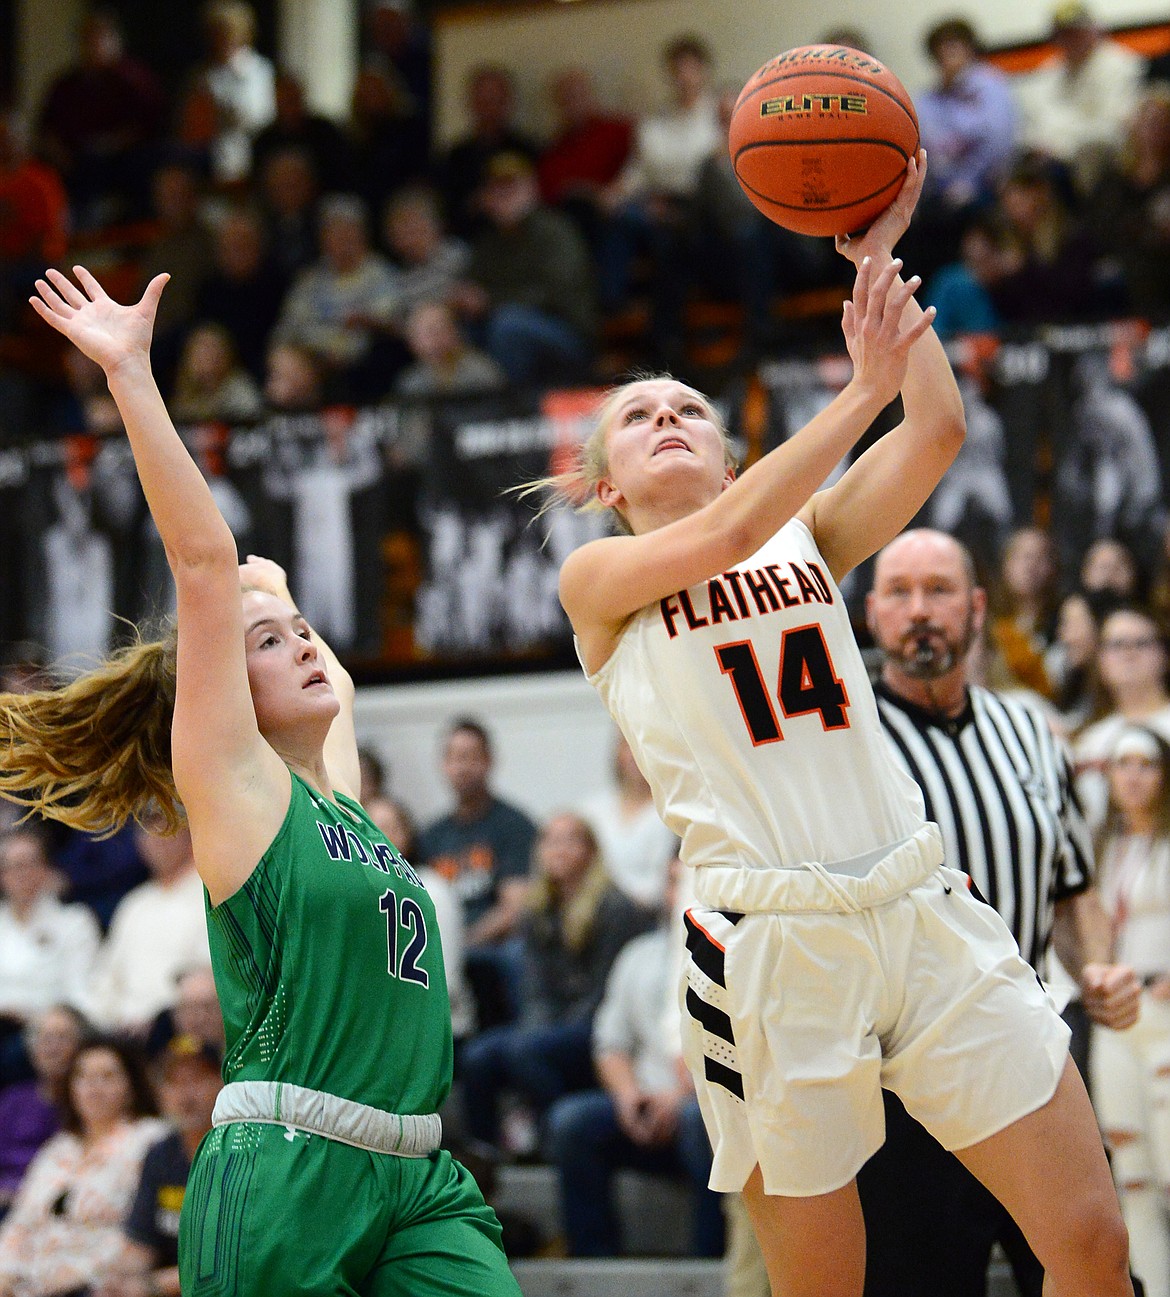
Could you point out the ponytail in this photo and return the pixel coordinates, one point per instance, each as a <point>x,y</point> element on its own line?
<point>96,753</point>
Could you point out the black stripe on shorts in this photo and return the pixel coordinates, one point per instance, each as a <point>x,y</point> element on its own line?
<point>707,1015</point>
<point>708,957</point>
<point>721,1074</point>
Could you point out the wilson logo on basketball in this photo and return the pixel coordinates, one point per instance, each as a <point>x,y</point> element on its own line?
<point>809,103</point>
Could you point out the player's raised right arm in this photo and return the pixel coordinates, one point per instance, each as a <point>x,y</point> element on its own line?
<point>605,582</point>
<point>216,746</point>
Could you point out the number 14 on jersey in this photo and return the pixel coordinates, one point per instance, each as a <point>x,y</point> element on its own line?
<point>807,682</point>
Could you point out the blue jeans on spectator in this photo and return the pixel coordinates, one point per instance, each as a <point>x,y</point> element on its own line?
<point>587,1146</point>
<point>494,973</point>
<point>540,1064</point>
<point>532,346</point>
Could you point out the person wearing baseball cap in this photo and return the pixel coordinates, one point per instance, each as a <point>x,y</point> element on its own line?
<point>1076,104</point>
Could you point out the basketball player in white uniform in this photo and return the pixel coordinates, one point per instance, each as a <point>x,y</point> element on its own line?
<point>830,951</point>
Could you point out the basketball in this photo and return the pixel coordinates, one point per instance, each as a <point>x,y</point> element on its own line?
<point>820,137</point>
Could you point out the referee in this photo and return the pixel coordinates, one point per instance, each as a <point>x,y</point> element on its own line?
<point>999,787</point>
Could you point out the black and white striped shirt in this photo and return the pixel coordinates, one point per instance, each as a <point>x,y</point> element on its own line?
<point>999,786</point>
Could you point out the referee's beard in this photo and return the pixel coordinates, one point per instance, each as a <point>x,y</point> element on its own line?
<point>927,652</point>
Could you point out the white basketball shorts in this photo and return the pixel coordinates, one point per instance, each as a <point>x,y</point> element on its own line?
<point>793,1022</point>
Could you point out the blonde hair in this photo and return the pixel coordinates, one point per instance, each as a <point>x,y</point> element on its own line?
<point>578,912</point>
<point>96,753</point>
<point>577,485</point>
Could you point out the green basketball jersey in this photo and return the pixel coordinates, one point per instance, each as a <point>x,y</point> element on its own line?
<point>329,966</point>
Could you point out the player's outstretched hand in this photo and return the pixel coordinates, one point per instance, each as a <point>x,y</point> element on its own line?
<point>264,574</point>
<point>879,241</point>
<point>105,331</point>
<point>875,328</point>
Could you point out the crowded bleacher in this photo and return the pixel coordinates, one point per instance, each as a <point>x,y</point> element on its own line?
<point>367,338</point>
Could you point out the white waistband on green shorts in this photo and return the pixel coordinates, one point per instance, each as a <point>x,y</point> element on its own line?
<point>277,1103</point>
<point>842,887</point>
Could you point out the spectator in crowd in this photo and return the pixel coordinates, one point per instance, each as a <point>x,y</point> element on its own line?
<point>634,843</point>
<point>586,154</point>
<point>294,381</point>
<point>374,776</point>
<point>431,262</point>
<point>233,93</point>
<point>211,385</point>
<point>1129,208</point>
<point>293,126</point>
<point>288,191</point>
<point>645,1115</point>
<point>734,248</point>
<point>445,363</point>
<point>651,199</point>
<point>397,823</point>
<point>64,1231</point>
<point>1109,568</point>
<point>490,100</point>
<point>575,924</point>
<point>1131,668</point>
<point>244,289</point>
<point>398,44</point>
<point>1131,1082</point>
<point>30,1111</point>
<point>148,1264</point>
<point>33,217</point>
<point>1024,603</point>
<point>47,949</point>
<point>100,871</point>
<point>1070,658</point>
<point>183,248</point>
<point>968,126</point>
<point>1075,106</point>
<point>528,295</point>
<point>157,930</point>
<point>384,141</point>
<point>342,307</point>
<point>99,125</point>
<point>482,847</point>
<point>1054,271</point>
<point>961,291</point>
<point>195,1013</point>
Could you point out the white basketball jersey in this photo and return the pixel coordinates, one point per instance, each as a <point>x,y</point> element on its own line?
<point>749,710</point>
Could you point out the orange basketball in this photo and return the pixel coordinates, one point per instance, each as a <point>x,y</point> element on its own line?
<point>820,138</point>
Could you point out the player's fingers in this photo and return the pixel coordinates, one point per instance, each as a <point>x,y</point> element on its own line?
<point>89,283</point>
<point>919,327</point>
<point>65,286</point>
<point>53,299</point>
<point>50,317</point>
<point>849,322</point>
<point>881,305</point>
<point>861,287</point>
<point>901,294</point>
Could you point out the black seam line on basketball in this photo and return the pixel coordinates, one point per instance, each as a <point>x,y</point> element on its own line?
<point>707,1015</point>
<point>718,1074</point>
<point>830,139</point>
<point>831,207</point>
<point>840,76</point>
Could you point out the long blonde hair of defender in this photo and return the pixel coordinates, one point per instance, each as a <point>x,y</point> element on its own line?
<point>96,753</point>
<point>577,486</point>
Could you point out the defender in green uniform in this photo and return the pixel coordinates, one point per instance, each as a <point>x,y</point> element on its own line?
<point>322,1173</point>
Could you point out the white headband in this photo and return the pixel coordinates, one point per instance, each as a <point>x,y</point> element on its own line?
<point>1135,742</point>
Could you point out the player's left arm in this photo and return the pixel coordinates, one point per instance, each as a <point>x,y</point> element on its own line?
<point>879,494</point>
<point>341,745</point>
